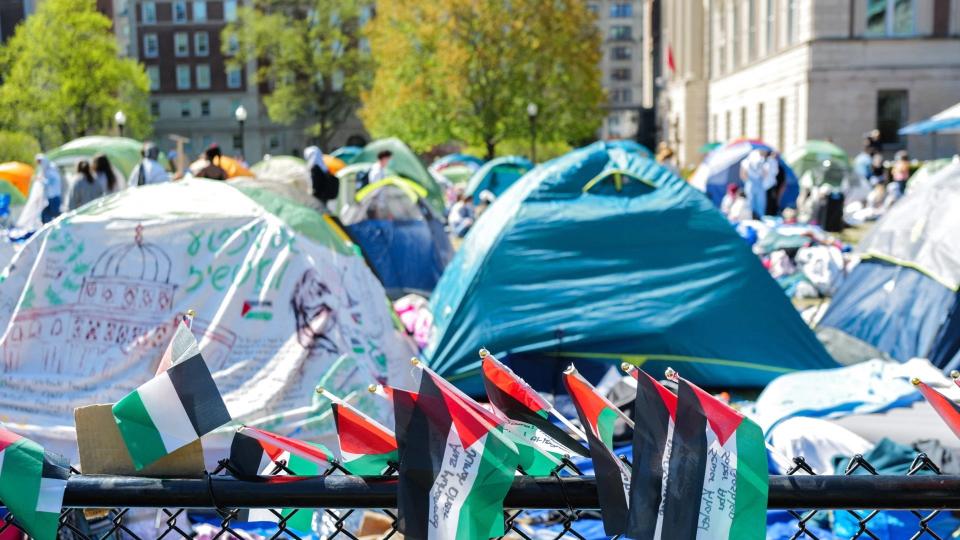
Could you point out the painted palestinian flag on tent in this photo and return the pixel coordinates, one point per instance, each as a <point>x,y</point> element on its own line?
<point>367,448</point>
<point>948,410</point>
<point>255,451</point>
<point>31,485</point>
<point>456,465</point>
<point>716,457</point>
<point>170,411</point>
<point>512,397</point>
<point>597,415</point>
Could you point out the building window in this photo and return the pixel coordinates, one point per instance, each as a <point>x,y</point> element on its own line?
<point>782,123</point>
<point>203,76</point>
<point>891,114</point>
<point>148,13</point>
<point>233,44</point>
<point>153,73</point>
<point>743,121</point>
<point>735,28</point>
<point>234,78</point>
<point>186,109</point>
<point>205,108</point>
<point>621,53</point>
<point>155,109</point>
<point>180,11</point>
<point>183,77</point>
<point>771,22</point>
<point>714,127</point>
<point>151,47</point>
<point>199,10</point>
<point>891,17</point>
<point>621,10</point>
<point>229,10</point>
<point>620,74</point>
<point>593,8</point>
<point>760,121</point>
<point>621,95</point>
<point>751,30</point>
<point>237,142</point>
<point>793,21</point>
<point>621,32</point>
<point>274,142</point>
<point>181,44</point>
<point>201,44</point>
<point>729,122</point>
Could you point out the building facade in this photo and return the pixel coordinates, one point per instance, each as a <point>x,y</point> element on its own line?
<point>787,71</point>
<point>621,24</point>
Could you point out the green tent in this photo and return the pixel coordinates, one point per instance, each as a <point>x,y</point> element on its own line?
<point>406,164</point>
<point>811,155</point>
<point>123,153</point>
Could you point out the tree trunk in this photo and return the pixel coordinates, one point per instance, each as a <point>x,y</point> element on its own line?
<point>491,149</point>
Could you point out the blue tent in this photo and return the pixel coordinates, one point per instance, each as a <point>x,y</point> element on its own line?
<point>346,153</point>
<point>631,146</point>
<point>605,255</point>
<point>722,166</point>
<point>497,175</point>
<point>902,297</point>
<point>454,159</point>
<point>406,245</point>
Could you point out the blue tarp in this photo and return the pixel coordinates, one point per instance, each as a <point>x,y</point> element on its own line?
<point>497,175</point>
<point>650,273</point>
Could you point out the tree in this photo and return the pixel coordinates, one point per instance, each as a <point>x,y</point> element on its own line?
<point>63,76</point>
<point>465,70</point>
<point>309,54</point>
<point>17,147</point>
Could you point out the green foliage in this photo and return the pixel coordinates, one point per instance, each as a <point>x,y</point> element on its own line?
<point>63,76</point>
<point>465,70</point>
<point>309,53</point>
<point>521,147</point>
<point>17,147</point>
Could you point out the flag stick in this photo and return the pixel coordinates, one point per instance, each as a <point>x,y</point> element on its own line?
<point>569,425</point>
<point>573,371</point>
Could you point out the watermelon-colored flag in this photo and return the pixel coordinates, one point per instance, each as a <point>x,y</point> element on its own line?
<point>31,485</point>
<point>512,397</point>
<point>366,446</point>
<point>456,465</point>
<point>598,415</point>
<point>945,407</point>
<point>171,410</point>
<point>717,457</point>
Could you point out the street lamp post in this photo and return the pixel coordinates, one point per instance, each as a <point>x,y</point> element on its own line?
<point>532,111</point>
<point>121,120</point>
<point>241,115</point>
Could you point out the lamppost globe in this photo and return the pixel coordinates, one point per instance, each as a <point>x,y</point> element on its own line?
<point>532,109</point>
<point>121,119</point>
<point>240,114</point>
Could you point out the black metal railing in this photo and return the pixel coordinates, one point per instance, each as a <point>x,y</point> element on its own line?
<point>557,502</point>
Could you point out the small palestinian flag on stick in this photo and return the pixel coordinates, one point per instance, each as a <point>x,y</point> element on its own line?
<point>183,345</point>
<point>597,416</point>
<point>366,446</point>
<point>512,397</point>
<point>717,457</point>
<point>456,465</point>
<point>948,410</point>
<point>171,410</point>
<point>31,485</point>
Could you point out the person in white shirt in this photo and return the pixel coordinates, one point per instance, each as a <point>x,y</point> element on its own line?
<point>149,170</point>
<point>753,173</point>
<point>49,178</point>
<point>379,170</point>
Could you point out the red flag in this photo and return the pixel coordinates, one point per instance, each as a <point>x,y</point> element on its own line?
<point>945,407</point>
<point>671,64</point>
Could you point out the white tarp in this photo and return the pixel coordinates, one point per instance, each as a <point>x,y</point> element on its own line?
<point>89,304</point>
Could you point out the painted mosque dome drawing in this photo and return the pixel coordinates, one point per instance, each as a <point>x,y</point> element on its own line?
<point>134,276</point>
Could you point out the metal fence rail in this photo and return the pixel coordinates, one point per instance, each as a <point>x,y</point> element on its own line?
<point>533,502</point>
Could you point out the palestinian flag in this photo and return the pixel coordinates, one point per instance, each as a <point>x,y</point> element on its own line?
<point>170,411</point>
<point>256,451</point>
<point>512,397</point>
<point>31,485</point>
<point>597,415</point>
<point>367,448</point>
<point>655,413</point>
<point>948,410</point>
<point>456,465</point>
<point>716,457</point>
<point>182,347</point>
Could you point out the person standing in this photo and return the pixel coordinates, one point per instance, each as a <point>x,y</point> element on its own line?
<point>899,174</point>
<point>52,183</point>
<point>213,170</point>
<point>326,186</point>
<point>103,172</point>
<point>774,183</point>
<point>83,187</point>
<point>379,170</point>
<point>149,170</point>
<point>753,174</point>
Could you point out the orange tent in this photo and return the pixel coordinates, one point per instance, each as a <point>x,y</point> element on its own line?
<point>232,167</point>
<point>18,174</point>
<point>334,164</point>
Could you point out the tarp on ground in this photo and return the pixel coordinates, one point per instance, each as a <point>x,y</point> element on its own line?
<point>497,175</point>
<point>406,164</point>
<point>405,243</point>
<point>605,255</point>
<point>722,167</point>
<point>902,298</point>
<point>90,304</point>
<point>123,153</point>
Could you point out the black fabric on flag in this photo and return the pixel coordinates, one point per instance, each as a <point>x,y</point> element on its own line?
<point>199,394</point>
<point>55,466</point>
<point>688,462</point>
<point>247,457</point>
<point>610,489</point>
<point>649,442</point>
<point>515,410</point>
<point>420,446</point>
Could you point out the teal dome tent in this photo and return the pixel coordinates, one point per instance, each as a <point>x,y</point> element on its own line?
<point>606,255</point>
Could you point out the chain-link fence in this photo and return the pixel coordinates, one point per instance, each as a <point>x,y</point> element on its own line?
<point>859,504</point>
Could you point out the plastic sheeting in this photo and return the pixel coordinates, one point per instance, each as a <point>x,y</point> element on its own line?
<point>651,273</point>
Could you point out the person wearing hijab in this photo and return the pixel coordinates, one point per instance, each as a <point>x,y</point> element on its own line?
<point>49,179</point>
<point>84,187</point>
<point>326,186</point>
